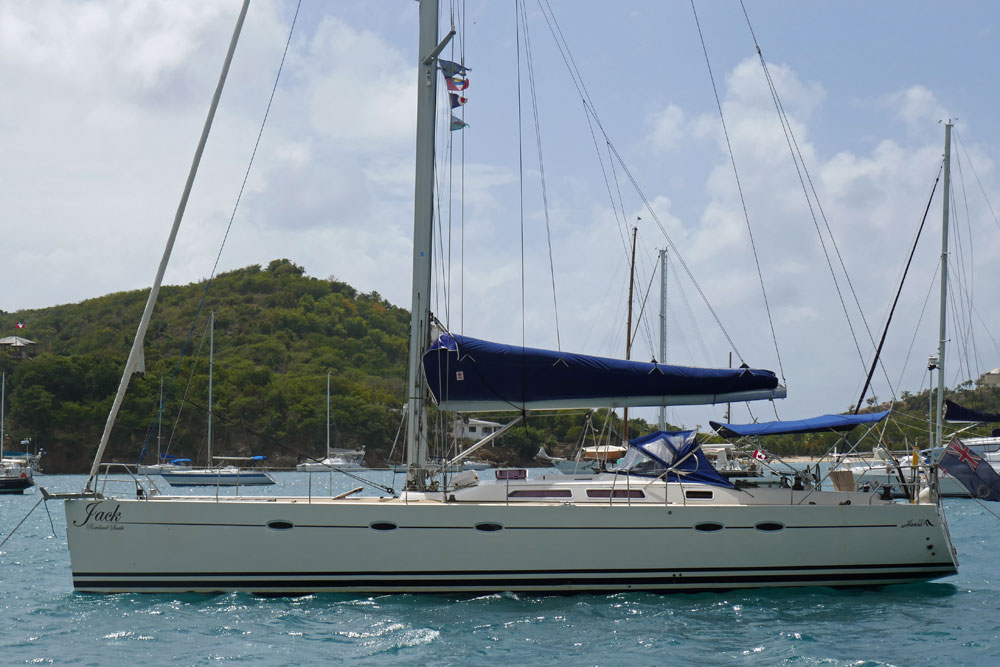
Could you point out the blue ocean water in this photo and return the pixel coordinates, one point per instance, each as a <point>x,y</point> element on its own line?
<point>955,621</point>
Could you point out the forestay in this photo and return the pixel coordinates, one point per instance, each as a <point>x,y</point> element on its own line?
<point>467,374</point>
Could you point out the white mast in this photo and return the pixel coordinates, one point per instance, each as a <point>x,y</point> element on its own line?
<point>662,422</point>
<point>3,402</point>
<point>328,415</point>
<point>423,217</point>
<point>944,283</point>
<point>159,426</point>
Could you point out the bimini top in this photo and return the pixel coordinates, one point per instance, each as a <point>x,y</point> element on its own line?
<point>840,423</point>
<point>675,453</point>
<point>468,375</point>
<point>953,412</point>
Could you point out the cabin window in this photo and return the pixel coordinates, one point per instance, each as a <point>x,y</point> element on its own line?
<point>540,493</point>
<point>384,525</point>
<point>280,525</point>
<point>512,473</point>
<point>699,495</point>
<point>708,527</point>
<point>769,526</point>
<point>489,527</point>
<point>615,493</point>
<point>472,429</point>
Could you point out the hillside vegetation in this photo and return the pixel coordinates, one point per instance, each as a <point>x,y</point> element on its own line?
<point>277,334</point>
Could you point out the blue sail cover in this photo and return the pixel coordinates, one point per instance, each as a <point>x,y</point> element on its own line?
<point>675,452</point>
<point>812,425</point>
<point>468,375</point>
<point>953,412</point>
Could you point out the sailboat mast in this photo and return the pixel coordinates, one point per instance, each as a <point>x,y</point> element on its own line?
<point>328,414</point>
<point>628,325</point>
<point>3,403</point>
<point>159,426</point>
<point>423,214</point>
<point>662,421</point>
<point>942,325</point>
<point>211,364</point>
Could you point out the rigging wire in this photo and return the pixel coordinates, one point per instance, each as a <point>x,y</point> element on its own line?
<point>899,291</point>
<point>563,46</point>
<point>965,277</point>
<point>916,329</point>
<point>979,182</point>
<point>806,177</point>
<point>541,167</point>
<point>739,188</point>
<point>232,217</point>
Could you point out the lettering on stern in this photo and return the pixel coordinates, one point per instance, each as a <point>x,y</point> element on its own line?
<point>101,519</point>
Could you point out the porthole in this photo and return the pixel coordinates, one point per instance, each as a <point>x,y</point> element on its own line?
<point>489,527</point>
<point>708,527</point>
<point>697,494</point>
<point>280,525</point>
<point>384,525</point>
<point>770,526</point>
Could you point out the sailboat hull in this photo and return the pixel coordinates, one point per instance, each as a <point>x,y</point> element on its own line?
<point>295,546</point>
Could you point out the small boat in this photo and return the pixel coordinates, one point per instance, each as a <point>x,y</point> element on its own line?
<point>350,460</point>
<point>16,469</point>
<point>16,475</point>
<point>169,463</point>
<point>221,475</point>
<point>224,474</point>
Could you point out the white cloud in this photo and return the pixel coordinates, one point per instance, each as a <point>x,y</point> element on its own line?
<point>111,98</point>
<point>918,107</point>
<point>668,127</point>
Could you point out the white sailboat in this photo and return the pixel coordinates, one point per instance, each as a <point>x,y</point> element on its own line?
<point>226,473</point>
<point>164,461</point>
<point>349,460</point>
<point>665,521</point>
<point>16,472</point>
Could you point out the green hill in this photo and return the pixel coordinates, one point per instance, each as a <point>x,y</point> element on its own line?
<point>277,333</point>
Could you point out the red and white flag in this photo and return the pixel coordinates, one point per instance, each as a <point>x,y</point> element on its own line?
<point>19,325</point>
<point>760,455</point>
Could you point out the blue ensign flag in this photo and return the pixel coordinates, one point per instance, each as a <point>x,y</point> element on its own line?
<point>975,474</point>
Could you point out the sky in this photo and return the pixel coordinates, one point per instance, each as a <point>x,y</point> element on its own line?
<point>103,103</point>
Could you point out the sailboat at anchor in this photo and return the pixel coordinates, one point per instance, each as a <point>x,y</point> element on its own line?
<point>228,471</point>
<point>665,520</point>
